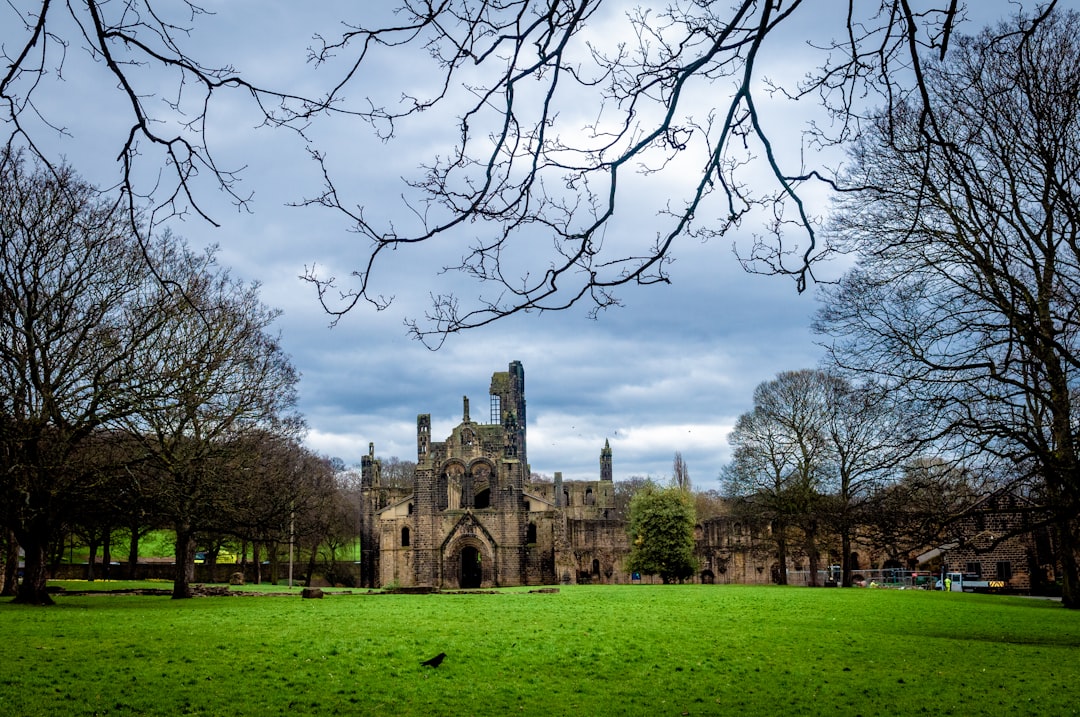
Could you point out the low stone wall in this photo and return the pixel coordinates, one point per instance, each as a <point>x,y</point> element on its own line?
<point>219,573</point>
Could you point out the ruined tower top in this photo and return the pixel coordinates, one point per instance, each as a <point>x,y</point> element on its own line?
<point>605,461</point>
<point>508,407</point>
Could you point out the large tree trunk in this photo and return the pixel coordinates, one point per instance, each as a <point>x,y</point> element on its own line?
<point>33,589</point>
<point>1070,581</point>
<point>9,581</point>
<point>185,563</point>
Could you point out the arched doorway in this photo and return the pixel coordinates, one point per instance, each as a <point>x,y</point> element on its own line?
<point>472,572</point>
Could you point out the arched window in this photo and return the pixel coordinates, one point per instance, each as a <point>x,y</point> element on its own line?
<point>530,536</point>
<point>405,537</point>
<point>410,508</point>
<point>566,497</point>
<point>590,499</point>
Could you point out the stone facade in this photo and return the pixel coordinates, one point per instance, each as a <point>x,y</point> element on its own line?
<point>473,517</point>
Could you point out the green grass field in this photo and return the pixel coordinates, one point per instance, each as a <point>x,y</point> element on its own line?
<point>626,650</point>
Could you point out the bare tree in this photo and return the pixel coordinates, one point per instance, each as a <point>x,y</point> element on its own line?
<point>869,439</point>
<point>967,228</point>
<point>563,107</point>
<point>921,508</point>
<point>710,504</point>
<point>396,473</point>
<point>215,375</point>
<point>625,490</point>
<point>781,462</point>
<point>76,301</point>
<point>680,472</point>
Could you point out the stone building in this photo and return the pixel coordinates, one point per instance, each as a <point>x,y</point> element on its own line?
<point>473,517</point>
<point>1003,538</point>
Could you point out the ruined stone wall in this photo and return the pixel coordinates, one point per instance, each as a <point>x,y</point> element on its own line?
<point>595,551</point>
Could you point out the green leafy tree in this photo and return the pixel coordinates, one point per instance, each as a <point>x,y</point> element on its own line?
<point>662,533</point>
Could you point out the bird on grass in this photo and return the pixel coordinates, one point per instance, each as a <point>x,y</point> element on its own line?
<point>434,661</point>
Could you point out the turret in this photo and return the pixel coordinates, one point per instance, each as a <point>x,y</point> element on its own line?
<point>508,408</point>
<point>369,468</point>
<point>423,437</point>
<point>605,461</point>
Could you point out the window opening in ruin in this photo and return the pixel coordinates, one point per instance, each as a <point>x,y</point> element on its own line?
<point>405,537</point>
<point>590,499</point>
<point>483,499</point>
<point>530,535</point>
<point>566,497</point>
<point>410,508</point>
<point>595,567</point>
<point>471,570</point>
<point>496,410</point>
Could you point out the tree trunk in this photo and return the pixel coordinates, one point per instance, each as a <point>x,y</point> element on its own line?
<point>92,557</point>
<point>185,563</point>
<point>106,553</point>
<point>258,563</point>
<point>845,556</point>
<point>10,576</point>
<point>813,554</point>
<point>211,562</point>
<point>781,554</point>
<point>272,554</point>
<point>133,553</point>
<point>311,563</point>
<point>32,590</point>
<point>1070,581</point>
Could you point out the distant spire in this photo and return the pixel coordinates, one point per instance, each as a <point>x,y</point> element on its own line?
<point>466,418</point>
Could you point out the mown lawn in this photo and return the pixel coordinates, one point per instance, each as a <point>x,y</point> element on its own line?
<point>630,650</point>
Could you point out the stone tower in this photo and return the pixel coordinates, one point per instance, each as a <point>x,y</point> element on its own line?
<point>605,461</point>
<point>508,409</point>
<point>369,529</point>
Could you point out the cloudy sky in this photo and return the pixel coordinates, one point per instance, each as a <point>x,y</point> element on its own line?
<point>669,371</point>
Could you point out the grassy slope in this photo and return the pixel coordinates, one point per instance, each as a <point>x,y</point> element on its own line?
<point>587,650</point>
